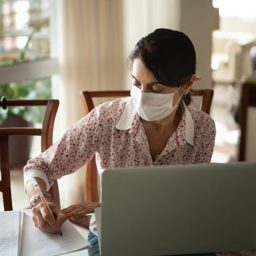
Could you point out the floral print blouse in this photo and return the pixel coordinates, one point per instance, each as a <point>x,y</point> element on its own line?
<point>117,143</point>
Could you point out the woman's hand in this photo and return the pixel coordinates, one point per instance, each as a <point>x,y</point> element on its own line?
<point>48,219</point>
<point>51,221</point>
<point>79,210</point>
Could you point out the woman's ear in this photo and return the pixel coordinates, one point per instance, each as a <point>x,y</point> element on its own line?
<point>188,85</point>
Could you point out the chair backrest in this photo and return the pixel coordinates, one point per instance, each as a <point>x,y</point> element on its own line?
<point>247,120</point>
<point>45,131</point>
<point>200,98</point>
<point>91,177</point>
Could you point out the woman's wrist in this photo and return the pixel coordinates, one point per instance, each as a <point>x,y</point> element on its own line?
<point>32,193</point>
<point>35,199</point>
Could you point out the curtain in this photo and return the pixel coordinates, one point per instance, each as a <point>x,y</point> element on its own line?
<point>90,50</point>
<point>96,36</point>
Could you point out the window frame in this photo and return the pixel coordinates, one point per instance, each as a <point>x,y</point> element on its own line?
<point>29,70</point>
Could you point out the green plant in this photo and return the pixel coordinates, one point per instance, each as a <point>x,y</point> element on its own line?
<point>30,89</point>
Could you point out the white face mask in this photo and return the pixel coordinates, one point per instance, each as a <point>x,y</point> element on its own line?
<point>153,106</point>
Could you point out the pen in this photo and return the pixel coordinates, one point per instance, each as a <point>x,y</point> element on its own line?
<point>40,194</point>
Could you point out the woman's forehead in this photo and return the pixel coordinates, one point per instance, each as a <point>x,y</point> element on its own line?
<point>141,73</point>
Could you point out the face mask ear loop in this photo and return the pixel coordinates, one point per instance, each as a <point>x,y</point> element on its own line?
<point>179,100</point>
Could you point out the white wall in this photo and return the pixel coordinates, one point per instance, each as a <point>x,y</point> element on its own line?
<point>194,18</point>
<point>238,25</point>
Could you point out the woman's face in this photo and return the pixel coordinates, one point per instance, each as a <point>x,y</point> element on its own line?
<point>146,81</point>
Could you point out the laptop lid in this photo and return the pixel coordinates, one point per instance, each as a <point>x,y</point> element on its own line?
<point>171,210</point>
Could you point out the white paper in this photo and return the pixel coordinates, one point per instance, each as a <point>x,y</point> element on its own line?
<point>20,237</point>
<point>36,242</point>
<point>9,233</point>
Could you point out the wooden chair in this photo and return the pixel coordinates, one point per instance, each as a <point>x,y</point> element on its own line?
<point>247,120</point>
<point>91,178</point>
<point>203,101</point>
<point>45,131</point>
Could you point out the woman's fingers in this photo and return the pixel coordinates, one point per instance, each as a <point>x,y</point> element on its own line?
<point>72,208</point>
<point>79,210</point>
<point>48,220</point>
<point>40,222</point>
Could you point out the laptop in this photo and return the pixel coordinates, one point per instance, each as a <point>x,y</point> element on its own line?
<point>183,209</point>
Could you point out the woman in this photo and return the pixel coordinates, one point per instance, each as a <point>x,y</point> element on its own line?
<point>152,127</point>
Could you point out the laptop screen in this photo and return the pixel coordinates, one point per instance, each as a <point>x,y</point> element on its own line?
<point>185,209</point>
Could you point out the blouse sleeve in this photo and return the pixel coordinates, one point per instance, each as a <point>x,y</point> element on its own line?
<point>71,152</point>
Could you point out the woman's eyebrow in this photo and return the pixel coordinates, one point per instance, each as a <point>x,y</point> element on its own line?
<point>149,84</point>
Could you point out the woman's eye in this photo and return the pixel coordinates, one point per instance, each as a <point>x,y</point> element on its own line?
<point>156,88</point>
<point>135,82</point>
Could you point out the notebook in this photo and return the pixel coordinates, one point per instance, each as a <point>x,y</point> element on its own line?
<point>20,237</point>
<point>172,210</point>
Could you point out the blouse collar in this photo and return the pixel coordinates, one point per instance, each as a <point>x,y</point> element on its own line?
<point>129,118</point>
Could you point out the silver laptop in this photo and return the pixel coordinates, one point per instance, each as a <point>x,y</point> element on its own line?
<point>172,210</point>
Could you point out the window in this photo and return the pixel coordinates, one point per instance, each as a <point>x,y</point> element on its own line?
<point>25,40</point>
<point>24,31</point>
<point>26,65</point>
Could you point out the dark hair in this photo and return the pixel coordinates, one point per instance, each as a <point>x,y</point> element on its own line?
<point>169,55</point>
